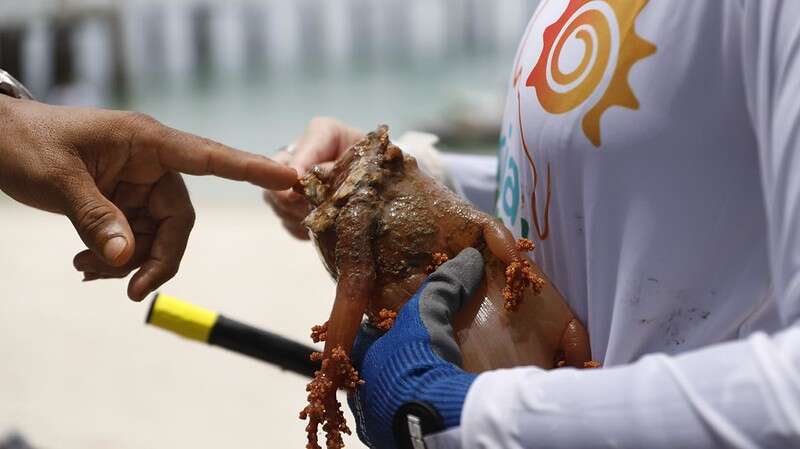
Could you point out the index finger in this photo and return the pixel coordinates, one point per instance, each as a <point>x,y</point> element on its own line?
<point>194,155</point>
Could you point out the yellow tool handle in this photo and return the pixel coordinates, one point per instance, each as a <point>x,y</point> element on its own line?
<point>206,326</point>
<point>183,318</point>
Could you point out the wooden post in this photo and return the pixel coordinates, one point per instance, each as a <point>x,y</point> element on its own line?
<point>119,75</point>
<point>255,37</point>
<point>311,34</point>
<point>397,34</point>
<point>362,38</point>
<point>455,27</point>
<point>11,39</point>
<point>471,32</point>
<point>201,21</point>
<point>63,52</point>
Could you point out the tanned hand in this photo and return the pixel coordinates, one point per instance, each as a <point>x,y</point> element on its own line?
<point>115,175</point>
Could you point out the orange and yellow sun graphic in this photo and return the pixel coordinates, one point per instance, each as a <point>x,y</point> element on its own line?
<point>611,46</point>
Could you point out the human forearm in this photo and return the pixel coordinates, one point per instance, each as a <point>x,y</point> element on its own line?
<point>4,130</point>
<point>7,124</point>
<point>12,175</point>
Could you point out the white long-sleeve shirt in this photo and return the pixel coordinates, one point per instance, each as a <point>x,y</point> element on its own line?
<point>668,136</point>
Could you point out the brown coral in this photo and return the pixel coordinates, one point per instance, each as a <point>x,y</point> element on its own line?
<point>381,226</point>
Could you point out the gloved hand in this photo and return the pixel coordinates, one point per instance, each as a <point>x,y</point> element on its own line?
<point>418,358</point>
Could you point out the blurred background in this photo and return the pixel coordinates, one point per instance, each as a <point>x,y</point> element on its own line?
<point>78,368</point>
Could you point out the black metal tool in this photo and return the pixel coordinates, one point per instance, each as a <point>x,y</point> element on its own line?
<point>200,324</point>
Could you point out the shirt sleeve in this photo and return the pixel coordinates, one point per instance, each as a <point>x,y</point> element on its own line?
<point>474,177</point>
<point>742,394</point>
<point>771,59</point>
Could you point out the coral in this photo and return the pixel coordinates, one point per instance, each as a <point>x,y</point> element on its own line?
<point>381,226</point>
<point>525,245</point>
<point>385,319</point>
<point>319,333</point>
<point>323,408</point>
<point>519,276</point>
<point>437,259</point>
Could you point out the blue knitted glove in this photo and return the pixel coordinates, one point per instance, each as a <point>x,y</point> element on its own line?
<point>418,359</point>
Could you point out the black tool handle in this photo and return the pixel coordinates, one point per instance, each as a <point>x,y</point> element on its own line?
<point>263,345</point>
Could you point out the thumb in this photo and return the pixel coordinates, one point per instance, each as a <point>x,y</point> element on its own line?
<point>445,292</point>
<point>102,227</point>
<point>457,280</point>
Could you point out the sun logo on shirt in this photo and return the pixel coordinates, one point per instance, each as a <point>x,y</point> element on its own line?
<point>605,30</point>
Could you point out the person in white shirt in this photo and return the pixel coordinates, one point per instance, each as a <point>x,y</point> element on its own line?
<point>652,150</point>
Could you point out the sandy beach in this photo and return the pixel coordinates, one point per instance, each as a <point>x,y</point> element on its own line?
<point>79,369</point>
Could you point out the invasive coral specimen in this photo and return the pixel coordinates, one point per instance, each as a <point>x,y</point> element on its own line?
<point>382,226</point>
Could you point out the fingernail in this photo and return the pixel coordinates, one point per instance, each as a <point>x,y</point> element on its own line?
<point>114,248</point>
<point>138,297</point>
<point>81,265</point>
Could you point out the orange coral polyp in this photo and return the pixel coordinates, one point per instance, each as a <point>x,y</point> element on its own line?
<point>519,276</point>
<point>385,319</point>
<point>437,259</point>
<point>525,245</point>
<point>319,333</point>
